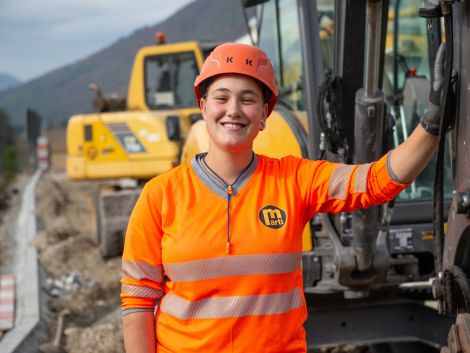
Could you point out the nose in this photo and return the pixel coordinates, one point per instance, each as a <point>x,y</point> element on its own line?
<point>233,109</point>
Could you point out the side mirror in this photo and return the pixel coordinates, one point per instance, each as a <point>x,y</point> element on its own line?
<point>173,128</point>
<point>195,117</point>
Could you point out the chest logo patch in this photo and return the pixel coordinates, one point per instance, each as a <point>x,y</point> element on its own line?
<point>272,216</point>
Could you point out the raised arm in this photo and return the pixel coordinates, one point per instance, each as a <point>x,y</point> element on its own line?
<point>410,158</point>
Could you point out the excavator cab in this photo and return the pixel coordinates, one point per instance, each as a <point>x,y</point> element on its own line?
<point>145,139</point>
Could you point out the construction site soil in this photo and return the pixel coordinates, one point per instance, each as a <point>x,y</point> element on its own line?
<point>81,287</point>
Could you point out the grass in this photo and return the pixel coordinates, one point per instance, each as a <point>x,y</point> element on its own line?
<point>8,171</point>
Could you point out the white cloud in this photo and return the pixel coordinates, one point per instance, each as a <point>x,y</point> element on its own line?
<point>37,36</point>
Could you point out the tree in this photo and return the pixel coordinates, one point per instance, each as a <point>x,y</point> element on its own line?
<point>6,131</point>
<point>8,154</point>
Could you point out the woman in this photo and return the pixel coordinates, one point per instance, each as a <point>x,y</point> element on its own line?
<point>217,243</point>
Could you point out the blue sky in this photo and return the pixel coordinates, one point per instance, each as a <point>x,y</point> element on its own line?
<point>37,36</point>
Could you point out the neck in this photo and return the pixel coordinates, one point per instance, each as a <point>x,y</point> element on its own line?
<point>228,165</point>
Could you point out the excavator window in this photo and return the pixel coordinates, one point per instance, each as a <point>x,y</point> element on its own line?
<point>268,38</point>
<point>412,44</point>
<point>407,74</point>
<point>280,38</point>
<point>88,132</point>
<point>169,80</point>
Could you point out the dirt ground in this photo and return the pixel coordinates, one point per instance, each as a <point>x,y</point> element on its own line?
<point>79,280</point>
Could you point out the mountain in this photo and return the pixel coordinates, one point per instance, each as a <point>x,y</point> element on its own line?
<point>8,81</point>
<point>64,92</point>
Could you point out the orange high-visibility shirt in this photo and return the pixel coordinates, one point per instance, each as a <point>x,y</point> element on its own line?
<point>226,269</point>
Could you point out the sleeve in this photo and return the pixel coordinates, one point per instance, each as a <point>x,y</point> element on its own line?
<point>339,187</point>
<point>142,271</point>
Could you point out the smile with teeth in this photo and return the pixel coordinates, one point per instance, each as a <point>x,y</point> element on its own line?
<point>233,125</point>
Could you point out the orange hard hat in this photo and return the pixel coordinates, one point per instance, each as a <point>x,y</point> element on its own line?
<point>236,58</point>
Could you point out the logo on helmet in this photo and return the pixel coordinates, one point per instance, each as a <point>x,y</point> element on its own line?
<point>272,216</point>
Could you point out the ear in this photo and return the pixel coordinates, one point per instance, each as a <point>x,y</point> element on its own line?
<point>202,106</point>
<point>265,111</point>
<point>264,117</point>
<point>262,125</point>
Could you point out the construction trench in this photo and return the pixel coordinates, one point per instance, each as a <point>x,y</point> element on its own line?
<point>78,291</point>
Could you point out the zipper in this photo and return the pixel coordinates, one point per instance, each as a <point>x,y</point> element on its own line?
<point>229,197</point>
<point>228,188</point>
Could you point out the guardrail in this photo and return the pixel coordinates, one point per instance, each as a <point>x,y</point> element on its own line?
<point>22,338</point>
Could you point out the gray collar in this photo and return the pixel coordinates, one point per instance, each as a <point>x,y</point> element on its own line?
<point>214,182</point>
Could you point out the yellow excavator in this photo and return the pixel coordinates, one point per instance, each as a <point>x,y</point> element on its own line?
<point>123,148</point>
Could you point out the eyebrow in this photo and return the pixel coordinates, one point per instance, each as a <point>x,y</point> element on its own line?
<point>222,89</point>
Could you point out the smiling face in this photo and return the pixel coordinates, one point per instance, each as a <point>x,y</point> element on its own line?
<point>233,109</point>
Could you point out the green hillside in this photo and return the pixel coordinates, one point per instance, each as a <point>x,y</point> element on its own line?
<point>64,92</point>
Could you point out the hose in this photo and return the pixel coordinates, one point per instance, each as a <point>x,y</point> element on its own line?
<point>329,93</point>
<point>438,202</point>
<point>463,282</point>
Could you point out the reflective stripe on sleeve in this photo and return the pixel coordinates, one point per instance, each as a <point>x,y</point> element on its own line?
<point>338,187</point>
<point>238,265</point>
<point>390,171</point>
<point>360,178</point>
<point>137,310</point>
<point>140,270</point>
<point>227,307</point>
<point>141,292</point>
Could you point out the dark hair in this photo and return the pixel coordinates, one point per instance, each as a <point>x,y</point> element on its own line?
<point>204,86</point>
